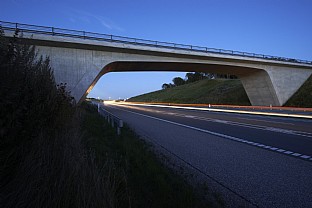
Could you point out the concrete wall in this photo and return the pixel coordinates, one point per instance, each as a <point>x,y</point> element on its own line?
<point>80,64</point>
<point>286,80</point>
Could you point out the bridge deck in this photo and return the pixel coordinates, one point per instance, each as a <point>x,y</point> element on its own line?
<point>53,31</point>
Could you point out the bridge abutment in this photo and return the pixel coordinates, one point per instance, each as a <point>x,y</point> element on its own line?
<point>286,81</point>
<point>259,88</point>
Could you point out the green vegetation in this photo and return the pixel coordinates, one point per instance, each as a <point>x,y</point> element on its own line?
<point>303,97</point>
<point>56,154</point>
<point>43,161</point>
<point>194,77</point>
<point>213,91</point>
<point>218,91</point>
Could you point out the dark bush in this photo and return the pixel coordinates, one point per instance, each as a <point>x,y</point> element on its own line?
<point>43,161</point>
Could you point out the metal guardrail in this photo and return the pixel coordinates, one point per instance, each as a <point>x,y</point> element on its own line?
<point>112,119</point>
<point>54,31</point>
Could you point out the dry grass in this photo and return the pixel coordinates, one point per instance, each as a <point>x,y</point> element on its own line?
<point>57,171</point>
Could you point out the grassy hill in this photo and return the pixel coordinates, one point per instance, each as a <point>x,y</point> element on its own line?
<point>303,97</point>
<point>207,91</point>
<point>219,91</point>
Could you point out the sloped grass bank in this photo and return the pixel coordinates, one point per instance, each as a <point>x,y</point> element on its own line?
<point>303,97</point>
<point>218,91</point>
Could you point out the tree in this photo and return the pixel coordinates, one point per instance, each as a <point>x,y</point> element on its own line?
<point>208,75</point>
<point>178,81</point>
<point>225,76</point>
<point>193,77</point>
<point>165,86</point>
<point>31,102</point>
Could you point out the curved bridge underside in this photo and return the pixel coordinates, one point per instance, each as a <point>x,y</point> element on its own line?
<point>80,63</point>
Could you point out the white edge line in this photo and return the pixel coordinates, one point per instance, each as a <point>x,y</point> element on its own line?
<point>223,110</point>
<point>262,146</point>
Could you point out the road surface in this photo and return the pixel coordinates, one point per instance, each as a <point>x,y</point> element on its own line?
<point>265,161</point>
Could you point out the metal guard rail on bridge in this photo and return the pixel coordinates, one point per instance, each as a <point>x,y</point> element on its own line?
<point>113,38</point>
<point>112,119</point>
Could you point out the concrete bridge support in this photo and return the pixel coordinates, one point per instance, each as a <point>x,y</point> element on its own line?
<point>273,85</point>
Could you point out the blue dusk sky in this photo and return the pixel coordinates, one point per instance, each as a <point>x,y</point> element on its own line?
<point>272,27</point>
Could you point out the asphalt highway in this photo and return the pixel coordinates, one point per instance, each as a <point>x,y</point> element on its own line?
<point>265,160</point>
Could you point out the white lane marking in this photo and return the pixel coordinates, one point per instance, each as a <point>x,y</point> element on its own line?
<point>221,121</point>
<point>307,157</point>
<point>187,116</point>
<point>172,113</point>
<point>260,127</point>
<point>261,120</point>
<point>286,131</point>
<point>273,129</point>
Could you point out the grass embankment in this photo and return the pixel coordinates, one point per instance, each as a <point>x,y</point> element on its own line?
<point>303,97</point>
<point>144,181</point>
<point>219,91</point>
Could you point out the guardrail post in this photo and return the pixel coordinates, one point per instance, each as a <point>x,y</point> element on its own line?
<point>119,126</point>
<point>113,122</point>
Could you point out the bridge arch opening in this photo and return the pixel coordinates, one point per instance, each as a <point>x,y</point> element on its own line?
<point>138,66</point>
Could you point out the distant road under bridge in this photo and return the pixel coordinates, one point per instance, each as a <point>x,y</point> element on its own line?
<point>80,58</point>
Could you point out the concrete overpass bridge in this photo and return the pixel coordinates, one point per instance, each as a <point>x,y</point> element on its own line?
<point>80,58</point>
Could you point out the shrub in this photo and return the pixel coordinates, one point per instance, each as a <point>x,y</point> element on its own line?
<point>43,162</point>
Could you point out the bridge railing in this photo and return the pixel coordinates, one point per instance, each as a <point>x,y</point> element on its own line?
<point>35,29</point>
<point>111,119</point>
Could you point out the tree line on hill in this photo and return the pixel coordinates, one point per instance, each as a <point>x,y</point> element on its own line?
<point>194,77</point>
